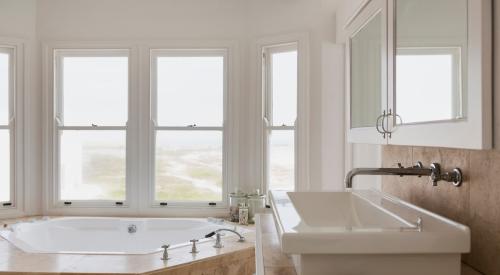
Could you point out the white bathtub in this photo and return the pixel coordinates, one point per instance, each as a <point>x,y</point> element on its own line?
<point>88,235</point>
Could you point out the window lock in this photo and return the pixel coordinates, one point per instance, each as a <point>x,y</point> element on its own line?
<point>119,203</point>
<point>212,203</point>
<point>163,203</point>
<point>7,204</point>
<point>67,203</point>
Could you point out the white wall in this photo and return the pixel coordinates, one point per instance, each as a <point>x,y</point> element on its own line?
<point>240,20</point>
<point>357,155</point>
<point>18,20</point>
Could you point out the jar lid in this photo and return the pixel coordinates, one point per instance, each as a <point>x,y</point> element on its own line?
<point>238,195</point>
<point>256,196</point>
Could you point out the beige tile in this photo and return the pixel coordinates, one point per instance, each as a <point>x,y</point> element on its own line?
<point>467,270</point>
<point>443,199</point>
<point>280,271</point>
<point>391,156</point>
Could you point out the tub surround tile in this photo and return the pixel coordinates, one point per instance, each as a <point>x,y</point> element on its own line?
<point>283,270</point>
<point>234,258</point>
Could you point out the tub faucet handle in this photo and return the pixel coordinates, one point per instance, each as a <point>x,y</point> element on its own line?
<point>165,252</point>
<point>194,250</point>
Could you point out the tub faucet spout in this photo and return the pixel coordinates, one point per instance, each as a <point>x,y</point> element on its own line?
<point>218,240</point>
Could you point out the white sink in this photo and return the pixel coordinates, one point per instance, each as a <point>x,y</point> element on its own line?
<point>367,226</point>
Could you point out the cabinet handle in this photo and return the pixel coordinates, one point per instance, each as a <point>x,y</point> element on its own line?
<point>396,116</point>
<point>382,116</point>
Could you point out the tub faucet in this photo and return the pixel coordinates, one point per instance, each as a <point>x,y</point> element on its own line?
<point>434,172</point>
<point>218,240</point>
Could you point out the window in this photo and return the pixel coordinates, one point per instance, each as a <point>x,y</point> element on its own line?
<point>6,126</point>
<point>429,72</point>
<point>92,88</point>
<point>188,111</point>
<point>280,114</point>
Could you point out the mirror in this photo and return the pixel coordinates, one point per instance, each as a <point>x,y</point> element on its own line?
<point>431,60</point>
<point>366,54</point>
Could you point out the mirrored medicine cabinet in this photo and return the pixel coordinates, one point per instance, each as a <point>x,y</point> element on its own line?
<point>419,73</point>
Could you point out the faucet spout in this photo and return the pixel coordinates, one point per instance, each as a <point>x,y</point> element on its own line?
<point>218,240</point>
<point>434,172</point>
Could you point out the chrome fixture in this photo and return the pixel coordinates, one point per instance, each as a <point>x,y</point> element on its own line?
<point>380,123</point>
<point>194,250</point>
<point>132,228</point>
<point>218,240</point>
<point>434,172</point>
<point>165,252</point>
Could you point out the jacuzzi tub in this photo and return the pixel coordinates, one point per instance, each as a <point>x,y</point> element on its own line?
<point>88,235</point>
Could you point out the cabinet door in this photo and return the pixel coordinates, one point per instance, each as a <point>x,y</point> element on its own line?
<point>366,69</point>
<point>440,73</point>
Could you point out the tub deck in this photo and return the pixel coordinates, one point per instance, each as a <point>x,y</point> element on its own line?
<point>234,258</point>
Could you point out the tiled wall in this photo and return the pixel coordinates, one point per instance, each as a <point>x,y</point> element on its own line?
<point>476,203</point>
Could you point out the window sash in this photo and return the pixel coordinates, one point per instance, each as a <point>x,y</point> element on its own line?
<point>12,54</point>
<point>267,85</point>
<point>59,55</point>
<point>154,55</point>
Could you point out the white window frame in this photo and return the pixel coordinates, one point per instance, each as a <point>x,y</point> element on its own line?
<point>139,156</point>
<point>301,40</point>
<point>156,53</point>
<point>15,49</point>
<point>54,55</point>
<point>267,75</point>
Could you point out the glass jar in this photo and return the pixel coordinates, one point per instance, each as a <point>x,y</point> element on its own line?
<point>235,199</point>
<point>256,203</point>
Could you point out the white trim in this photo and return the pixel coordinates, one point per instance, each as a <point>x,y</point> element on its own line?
<point>356,12</point>
<point>16,50</point>
<point>302,123</point>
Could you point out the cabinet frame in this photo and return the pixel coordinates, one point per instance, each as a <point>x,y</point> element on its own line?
<point>367,11</point>
<point>475,129</point>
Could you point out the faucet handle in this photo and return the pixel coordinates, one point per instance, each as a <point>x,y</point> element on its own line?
<point>165,252</point>
<point>194,250</point>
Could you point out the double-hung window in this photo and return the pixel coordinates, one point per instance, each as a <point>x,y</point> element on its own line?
<point>188,90</point>
<point>92,91</point>
<point>280,114</point>
<point>7,88</point>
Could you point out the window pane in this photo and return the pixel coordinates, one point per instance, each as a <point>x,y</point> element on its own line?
<point>4,165</point>
<point>95,91</point>
<point>281,160</point>
<point>4,89</point>
<point>92,165</point>
<point>190,91</point>
<point>420,77</point>
<point>188,166</point>
<point>284,88</point>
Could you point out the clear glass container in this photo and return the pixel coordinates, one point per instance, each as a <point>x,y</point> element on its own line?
<point>235,199</point>
<point>256,203</point>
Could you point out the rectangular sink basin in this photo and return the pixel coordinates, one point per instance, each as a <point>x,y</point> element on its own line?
<point>362,222</point>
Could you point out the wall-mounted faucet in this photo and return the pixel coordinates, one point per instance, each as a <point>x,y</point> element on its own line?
<point>434,172</point>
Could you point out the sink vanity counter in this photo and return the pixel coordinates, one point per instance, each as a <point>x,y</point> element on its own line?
<point>269,257</point>
<point>334,232</point>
